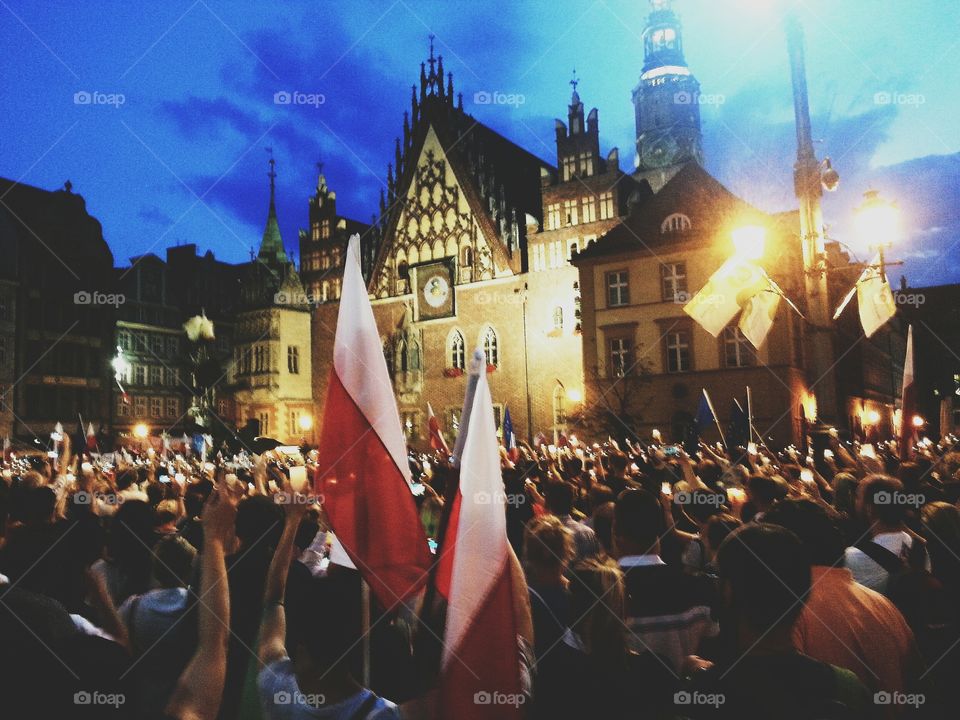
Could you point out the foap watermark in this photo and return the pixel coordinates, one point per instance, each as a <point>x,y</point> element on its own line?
<point>685,697</point>
<point>913,299</point>
<point>899,698</point>
<point>885,97</point>
<point>682,297</point>
<point>685,97</point>
<point>282,697</point>
<point>487,298</point>
<point>698,498</point>
<point>82,497</point>
<point>498,97</point>
<point>285,498</point>
<point>95,97</point>
<point>86,697</point>
<point>295,298</point>
<point>95,297</point>
<point>899,498</point>
<point>295,97</point>
<point>499,698</point>
<point>486,498</point>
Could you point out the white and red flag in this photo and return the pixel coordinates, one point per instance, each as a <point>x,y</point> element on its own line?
<point>480,674</point>
<point>436,436</point>
<point>362,468</point>
<point>91,438</point>
<point>908,401</point>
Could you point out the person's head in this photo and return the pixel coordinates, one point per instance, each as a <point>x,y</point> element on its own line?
<point>603,526</point>
<point>766,577</point>
<point>709,473</point>
<point>156,493</point>
<point>618,464</point>
<point>638,524</point>
<point>259,523</point>
<point>39,506</point>
<point>845,493</point>
<point>547,548</point>
<point>600,495</point>
<point>325,643</point>
<point>167,514</point>
<point>126,478</point>
<point>715,532</point>
<point>817,530</point>
<point>878,504</point>
<point>764,491</point>
<point>941,528</point>
<point>558,497</point>
<point>195,496</point>
<point>703,504</point>
<point>597,602</point>
<point>173,559</point>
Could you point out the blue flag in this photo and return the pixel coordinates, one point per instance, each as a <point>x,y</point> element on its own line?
<point>739,434</point>
<point>704,415</point>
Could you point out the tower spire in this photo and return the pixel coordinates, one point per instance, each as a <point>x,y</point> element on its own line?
<point>271,246</point>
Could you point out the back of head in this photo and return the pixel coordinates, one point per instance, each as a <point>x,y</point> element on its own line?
<point>125,478</point>
<point>637,522</point>
<point>818,531</point>
<point>38,505</point>
<point>767,571</point>
<point>878,499</point>
<point>173,559</point>
<point>325,621</point>
<point>597,601</point>
<point>558,497</point>
<point>547,545</point>
<point>709,473</point>
<point>765,491</point>
<point>618,464</point>
<point>603,525</point>
<point>718,527</point>
<point>260,521</point>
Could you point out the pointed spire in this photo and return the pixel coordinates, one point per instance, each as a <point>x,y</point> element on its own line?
<point>398,156</point>
<point>406,130</point>
<point>440,76</point>
<point>460,101</point>
<point>431,60</point>
<point>271,246</point>
<point>574,81</point>
<point>450,87</point>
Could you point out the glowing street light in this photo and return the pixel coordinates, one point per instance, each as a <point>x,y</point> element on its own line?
<point>305,422</point>
<point>873,417</point>
<point>877,221</point>
<point>140,430</point>
<point>749,241</point>
<point>918,421</point>
<point>574,395</point>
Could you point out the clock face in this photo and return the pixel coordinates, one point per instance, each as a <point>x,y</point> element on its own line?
<point>436,290</point>
<point>658,150</point>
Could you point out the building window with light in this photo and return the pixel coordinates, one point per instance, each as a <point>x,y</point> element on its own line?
<point>570,212</point>
<point>156,375</point>
<point>621,355</point>
<point>325,229</point>
<point>559,412</point>
<point>139,375</point>
<point>140,406</point>
<point>586,164</point>
<point>673,282</point>
<point>458,355</point>
<point>558,318</point>
<point>264,419</point>
<point>678,350</point>
<point>606,205</point>
<point>156,407</point>
<point>569,167</point>
<point>173,407</point>
<point>293,359</point>
<point>411,423</point>
<point>491,347</point>
<point>675,223</point>
<point>589,209</point>
<point>737,350</point>
<point>618,288</point>
<point>577,307</point>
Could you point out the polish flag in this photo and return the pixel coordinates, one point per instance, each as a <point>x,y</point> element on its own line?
<point>908,401</point>
<point>436,437</point>
<point>362,469</point>
<point>480,674</point>
<point>91,438</point>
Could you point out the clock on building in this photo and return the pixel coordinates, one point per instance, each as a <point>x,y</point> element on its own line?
<point>434,289</point>
<point>658,149</point>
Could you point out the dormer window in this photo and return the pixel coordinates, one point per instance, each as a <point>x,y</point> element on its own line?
<point>675,223</point>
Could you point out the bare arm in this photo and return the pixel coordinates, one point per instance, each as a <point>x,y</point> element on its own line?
<point>200,687</point>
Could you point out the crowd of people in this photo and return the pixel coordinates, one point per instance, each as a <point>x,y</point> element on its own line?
<point>728,583</point>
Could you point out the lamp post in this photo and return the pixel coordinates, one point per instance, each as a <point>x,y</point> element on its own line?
<point>809,176</point>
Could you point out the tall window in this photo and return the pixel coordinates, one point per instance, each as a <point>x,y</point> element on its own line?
<point>569,167</point>
<point>569,212</point>
<point>606,205</point>
<point>491,347</point>
<point>123,409</point>
<point>293,359</point>
<point>140,406</point>
<point>156,407</point>
<point>264,419</point>
<point>558,318</point>
<point>553,216</point>
<point>173,407</point>
<point>139,375</point>
<point>458,355</point>
<point>586,164</point>
<point>411,423</point>
<point>673,282</point>
<point>679,357</point>
<point>618,288</point>
<point>577,307</point>
<point>589,207</point>
<point>559,412</point>
<point>621,351</point>
<point>156,375</point>
<point>325,229</point>
<point>737,350</point>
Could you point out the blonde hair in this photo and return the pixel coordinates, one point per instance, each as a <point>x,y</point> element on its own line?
<point>547,543</point>
<point>598,598</point>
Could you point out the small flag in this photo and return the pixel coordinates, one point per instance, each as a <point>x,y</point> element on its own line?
<point>739,425</point>
<point>91,438</point>
<point>875,300</point>
<point>726,292</point>
<point>509,439</point>
<point>908,401</point>
<point>436,436</point>
<point>757,316</point>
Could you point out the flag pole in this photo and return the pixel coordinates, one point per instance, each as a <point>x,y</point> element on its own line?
<point>365,629</point>
<point>716,420</point>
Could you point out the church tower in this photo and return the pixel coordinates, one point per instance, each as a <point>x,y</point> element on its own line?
<point>666,101</point>
<point>271,372</point>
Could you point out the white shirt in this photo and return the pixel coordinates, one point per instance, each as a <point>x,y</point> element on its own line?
<point>867,571</point>
<point>629,561</point>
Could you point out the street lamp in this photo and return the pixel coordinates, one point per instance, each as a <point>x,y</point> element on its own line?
<point>140,431</point>
<point>749,241</point>
<point>574,395</point>
<point>305,422</point>
<point>878,224</point>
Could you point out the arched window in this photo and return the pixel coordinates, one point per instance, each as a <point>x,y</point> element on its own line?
<point>491,347</point>
<point>467,257</point>
<point>458,356</point>
<point>559,411</point>
<point>402,354</point>
<point>677,222</point>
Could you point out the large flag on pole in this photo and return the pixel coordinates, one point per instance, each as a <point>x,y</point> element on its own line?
<point>908,401</point>
<point>726,292</point>
<point>874,300</point>
<point>436,436</point>
<point>362,469</point>
<point>480,673</point>
<point>757,316</point>
<point>509,438</point>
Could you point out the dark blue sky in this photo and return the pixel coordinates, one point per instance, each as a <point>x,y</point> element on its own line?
<point>182,158</point>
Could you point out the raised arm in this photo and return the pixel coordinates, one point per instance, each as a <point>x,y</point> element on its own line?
<point>200,687</point>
